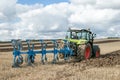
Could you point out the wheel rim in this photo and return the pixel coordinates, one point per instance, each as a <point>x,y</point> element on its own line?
<point>97,53</point>
<point>87,53</point>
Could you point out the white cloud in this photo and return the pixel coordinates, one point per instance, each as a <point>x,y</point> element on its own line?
<point>48,18</point>
<point>83,2</point>
<point>20,8</point>
<point>93,16</point>
<point>51,21</point>
<point>114,4</point>
<point>2,17</point>
<point>7,8</point>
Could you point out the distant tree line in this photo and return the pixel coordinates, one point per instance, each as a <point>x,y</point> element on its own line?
<point>113,38</point>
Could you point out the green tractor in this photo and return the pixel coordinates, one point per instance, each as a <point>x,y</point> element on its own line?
<point>81,42</point>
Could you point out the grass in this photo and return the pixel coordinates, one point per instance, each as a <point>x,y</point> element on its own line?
<point>63,71</point>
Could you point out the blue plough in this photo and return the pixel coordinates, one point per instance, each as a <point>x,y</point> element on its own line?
<point>30,58</point>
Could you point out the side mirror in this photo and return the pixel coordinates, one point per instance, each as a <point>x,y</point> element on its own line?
<point>94,35</point>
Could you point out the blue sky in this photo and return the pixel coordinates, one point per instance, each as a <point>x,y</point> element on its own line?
<point>45,2</point>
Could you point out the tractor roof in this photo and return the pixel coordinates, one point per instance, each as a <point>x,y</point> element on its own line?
<point>79,30</point>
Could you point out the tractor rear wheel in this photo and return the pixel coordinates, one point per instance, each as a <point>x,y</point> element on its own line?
<point>96,51</point>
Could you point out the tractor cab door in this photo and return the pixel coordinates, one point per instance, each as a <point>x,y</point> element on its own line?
<point>71,35</point>
<point>89,36</point>
<point>82,35</point>
<point>85,35</point>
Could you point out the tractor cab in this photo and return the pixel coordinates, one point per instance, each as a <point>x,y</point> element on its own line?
<point>74,35</point>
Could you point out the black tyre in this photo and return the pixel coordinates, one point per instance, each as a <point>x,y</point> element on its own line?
<point>96,51</point>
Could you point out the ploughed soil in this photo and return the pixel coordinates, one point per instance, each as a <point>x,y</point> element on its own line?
<point>106,60</point>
